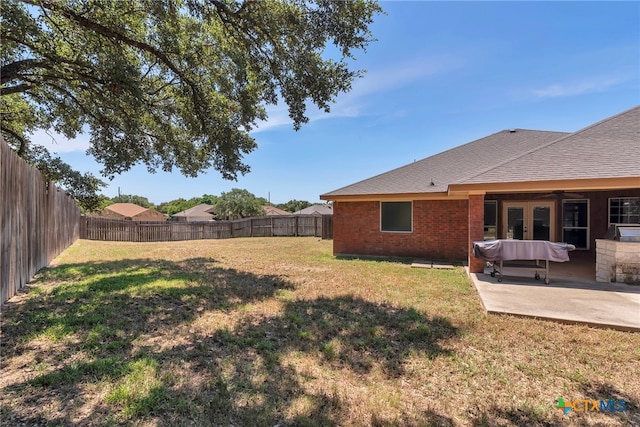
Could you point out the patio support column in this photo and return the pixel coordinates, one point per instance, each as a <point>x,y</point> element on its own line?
<point>476,230</point>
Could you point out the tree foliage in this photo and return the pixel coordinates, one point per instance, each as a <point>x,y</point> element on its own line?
<point>133,198</point>
<point>238,203</point>
<point>103,202</point>
<point>179,205</point>
<point>172,83</point>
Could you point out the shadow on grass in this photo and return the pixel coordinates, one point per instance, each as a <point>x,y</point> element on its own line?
<point>343,334</point>
<point>98,317</point>
<point>127,298</point>
<point>345,331</point>
<point>552,416</point>
<point>498,416</point>
<point>428,418</point>
<point>605,391</point>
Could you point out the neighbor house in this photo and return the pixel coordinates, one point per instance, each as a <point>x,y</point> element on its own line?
<point>200,213</point>
<point>132,212</point>
<point>316,210</point>
<point>272,210</point>
<point>517,183</point>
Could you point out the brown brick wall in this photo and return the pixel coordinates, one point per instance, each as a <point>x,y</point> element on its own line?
<point>440,231</point>
<point>476,230</point>
<point>441,228</point>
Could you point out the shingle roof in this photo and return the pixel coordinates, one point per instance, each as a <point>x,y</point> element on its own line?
<point>609,148</point>
<point>201,210</point>
<point>272,210</point>
<point>316,209</point>
<point>128,210</point>
<point>450,166</point>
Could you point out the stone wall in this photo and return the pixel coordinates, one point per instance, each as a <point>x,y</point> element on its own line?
<point>617,261</point>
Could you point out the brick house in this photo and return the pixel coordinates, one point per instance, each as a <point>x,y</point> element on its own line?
<point>200,213</point>
<point>272,210</point>
<point>517,183</point>
<point>315,210</point>
<point>132,212</point>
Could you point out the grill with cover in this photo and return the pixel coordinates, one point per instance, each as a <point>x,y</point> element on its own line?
<point>498,251</point>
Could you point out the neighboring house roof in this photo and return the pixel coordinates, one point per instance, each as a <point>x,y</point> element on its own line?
<point>132,211</point>
<point>272,210</point>
<point>607,149</point>
<point>126,209</point>
<point>200,211</point>
<point>316,209</point>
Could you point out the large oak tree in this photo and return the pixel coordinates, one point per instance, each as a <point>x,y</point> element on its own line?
<point>172,84</point>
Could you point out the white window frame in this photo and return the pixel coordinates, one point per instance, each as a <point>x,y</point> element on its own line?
<point>396,231</point>
<point>637,199</point>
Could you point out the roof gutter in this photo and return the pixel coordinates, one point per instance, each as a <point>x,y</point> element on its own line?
<point>589,184</point>
<point>463,191</point>
<point>392,197</point>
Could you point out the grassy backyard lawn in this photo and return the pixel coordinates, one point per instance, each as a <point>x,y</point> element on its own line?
<point>275,331</point>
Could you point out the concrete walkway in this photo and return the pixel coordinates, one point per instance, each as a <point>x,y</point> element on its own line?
<point>607,305</point>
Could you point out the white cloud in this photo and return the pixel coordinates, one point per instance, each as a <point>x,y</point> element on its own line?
<point>354,102</point>
<point>401,74</point>
<point>278,115</point>
<point>57,143</point>
<point>576,88</point>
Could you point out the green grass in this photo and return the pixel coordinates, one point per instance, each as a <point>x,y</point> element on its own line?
<point>140,391</point>
<point>268,331</point>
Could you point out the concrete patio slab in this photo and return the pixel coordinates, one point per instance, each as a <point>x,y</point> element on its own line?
<point>607,305</point>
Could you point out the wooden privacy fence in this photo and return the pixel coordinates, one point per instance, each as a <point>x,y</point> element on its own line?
<point>94,228</point>
<point>37,222</point>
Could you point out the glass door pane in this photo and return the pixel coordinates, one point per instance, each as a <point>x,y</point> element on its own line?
<point>515,222</point>
<point>575,222</point>
<point>490,219</point>
<point>541,223</point>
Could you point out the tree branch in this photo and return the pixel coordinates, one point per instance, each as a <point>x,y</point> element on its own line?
<point>12,70</point>
<point>80,105</point>
<point>23,142</point>
<point>21,88</point>
<point>112,34</point>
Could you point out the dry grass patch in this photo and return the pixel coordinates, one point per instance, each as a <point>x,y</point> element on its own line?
<point>269,331</point>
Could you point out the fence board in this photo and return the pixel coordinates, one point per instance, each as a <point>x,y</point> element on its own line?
<point>37,222</point>
<point>95,228</point>
<point>326,227</point>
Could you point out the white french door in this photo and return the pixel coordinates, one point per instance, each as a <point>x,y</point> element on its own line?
<point>528,220</point>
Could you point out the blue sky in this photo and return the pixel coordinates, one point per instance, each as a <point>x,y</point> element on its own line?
<point>440,75</point>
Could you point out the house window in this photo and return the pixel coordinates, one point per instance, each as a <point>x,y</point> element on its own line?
<point>396,216</point>
<point>490,219</point>
<point>624,210</point>
<point>575,223</point>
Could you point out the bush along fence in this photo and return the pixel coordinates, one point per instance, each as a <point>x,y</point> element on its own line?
<point>95,228</point>
<point>37,222</point>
